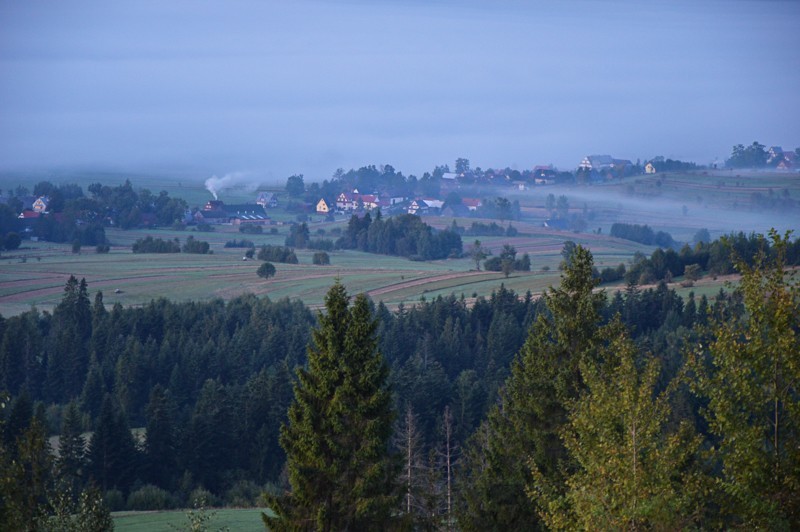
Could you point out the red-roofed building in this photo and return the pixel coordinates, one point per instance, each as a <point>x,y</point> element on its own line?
<point>472,204</point>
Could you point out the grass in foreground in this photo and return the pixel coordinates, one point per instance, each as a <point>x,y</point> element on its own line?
<point>244,519</point>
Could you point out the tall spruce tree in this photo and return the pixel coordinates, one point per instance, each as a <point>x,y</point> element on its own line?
<point>752,385</point>
<point>532,409</point>
<point>339,426</point>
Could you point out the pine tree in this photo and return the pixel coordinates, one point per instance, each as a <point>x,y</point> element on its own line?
<point>160,450</point>
<point>340,422</point>
<point>632,472</point>
<point>71,462</point>
<point>113,457</point>
<point>752,385</point>
<point>526,423</point>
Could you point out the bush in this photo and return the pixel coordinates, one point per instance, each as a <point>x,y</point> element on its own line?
<point>205,228</point>
<point>243,494</point>
<point>114,500</point>
<point>201,497</point>
<point>156,245</point>
<point>195,246</point>
<point>251,229</point>
<point>277,254</point>
<point>102,248</point>
<point>321,258</point>
<point>239,244</point>
<point>322,244</point>
<point>493,264</point>
<point>150,497</point>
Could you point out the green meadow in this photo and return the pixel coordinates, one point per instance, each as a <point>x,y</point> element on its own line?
<point>34,275</point>
<point>235,520</point>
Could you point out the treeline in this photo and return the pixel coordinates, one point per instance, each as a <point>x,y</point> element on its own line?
<point>405,235</point>
<point>715,258</point>
<point>642,234</point>
<point>149,244</point>
<point>271,253</point>
<point>482,229</point>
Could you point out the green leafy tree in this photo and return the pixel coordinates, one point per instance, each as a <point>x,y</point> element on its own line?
<point>478,253</point>
<point>295,185</point>
<point>266,270</point>
<point>751,383</point>
<point>340,422</point>
<point>532,411</point>
<point>632,471</point>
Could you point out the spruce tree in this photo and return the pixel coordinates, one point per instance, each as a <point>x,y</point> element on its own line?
<point>532,410</point>
<point>336,440</point>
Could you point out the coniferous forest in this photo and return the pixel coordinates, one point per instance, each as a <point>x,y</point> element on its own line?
<point>580,409</point>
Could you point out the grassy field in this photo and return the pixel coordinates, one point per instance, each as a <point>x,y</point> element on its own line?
<point>679,203</point>
<point>36,274</point>
<point>244,520</point>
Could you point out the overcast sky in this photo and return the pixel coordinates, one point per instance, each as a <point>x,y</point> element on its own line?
<point>276,88</point>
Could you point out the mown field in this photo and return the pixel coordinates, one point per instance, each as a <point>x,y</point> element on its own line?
<point>36,274</point>
<point>244,520</point>
<point>678,203</point>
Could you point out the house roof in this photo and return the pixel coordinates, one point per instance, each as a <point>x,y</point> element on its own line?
<point>471,202</point>
<point>29,215</point>
<point>244,208</point>
<point>600,159</point>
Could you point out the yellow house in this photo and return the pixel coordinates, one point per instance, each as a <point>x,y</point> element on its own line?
<point>40,205</point>
<point>322,206</point>
<point>649,168</point>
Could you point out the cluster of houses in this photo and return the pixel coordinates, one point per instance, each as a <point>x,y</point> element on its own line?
<point>216,212</point>
<point>784,161</point>
<point>350,202</point>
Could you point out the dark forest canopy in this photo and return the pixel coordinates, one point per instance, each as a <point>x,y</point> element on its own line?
<point>211,383</point>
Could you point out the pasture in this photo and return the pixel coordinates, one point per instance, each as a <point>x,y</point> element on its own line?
<point>35,274</point>
<point>681,204</point>
<point>236,520</point>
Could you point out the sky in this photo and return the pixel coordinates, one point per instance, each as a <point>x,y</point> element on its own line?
<point>277,88</point>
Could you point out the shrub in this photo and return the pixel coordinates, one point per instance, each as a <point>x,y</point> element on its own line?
<point>243,494</point>
<point>251,229</point>
<point>114,500</point>
<point>102,248</point>
<point>493,264</point>
<point>201,497</point>
<point>205,228</point>
<point>156,245</point>
<point>321,258</point>
<point>239,244</point>
<point>195,246</point>
<point>150,497</point>
<point>277,254</point>
<point>322,244</point>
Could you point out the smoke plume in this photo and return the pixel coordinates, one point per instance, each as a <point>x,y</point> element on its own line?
<point>242,180</point>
